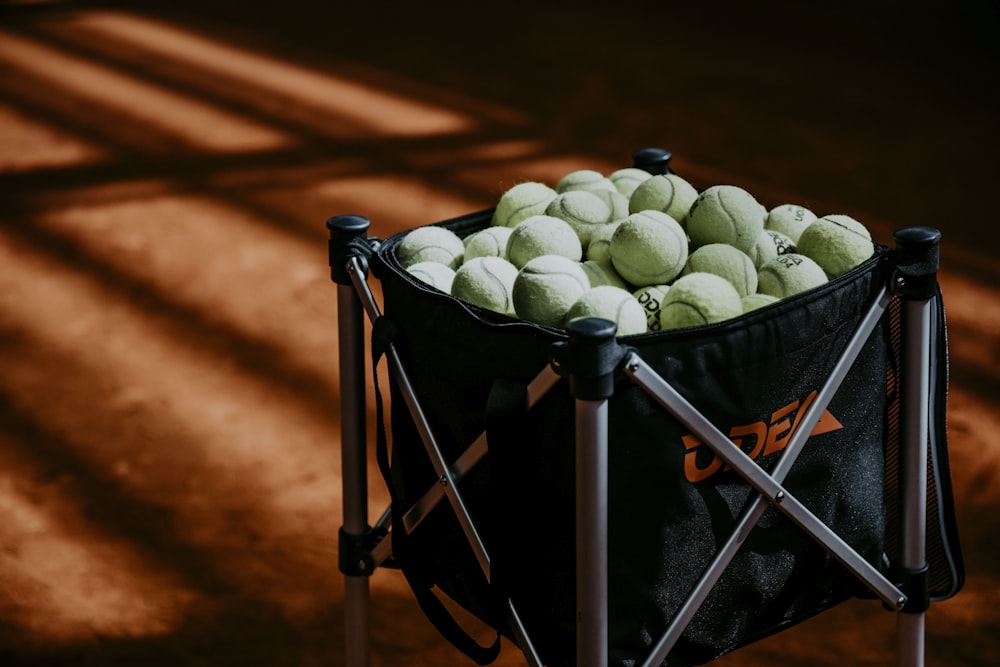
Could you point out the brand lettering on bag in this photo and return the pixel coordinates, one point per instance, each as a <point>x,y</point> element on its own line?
<point>757,440</point>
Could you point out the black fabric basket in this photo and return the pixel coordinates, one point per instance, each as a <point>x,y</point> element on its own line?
<point>671,504</point>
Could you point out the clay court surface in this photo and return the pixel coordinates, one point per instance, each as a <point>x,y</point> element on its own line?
<point>169,430</point>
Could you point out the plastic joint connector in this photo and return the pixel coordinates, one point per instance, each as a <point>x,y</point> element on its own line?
<point>590,359</point>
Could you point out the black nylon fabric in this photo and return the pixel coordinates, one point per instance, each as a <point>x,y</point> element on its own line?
<point>670,504</point>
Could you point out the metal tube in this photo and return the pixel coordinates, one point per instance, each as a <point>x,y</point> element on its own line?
<point>592,533</point>
<point>916,327</point>
<point>353,459</point>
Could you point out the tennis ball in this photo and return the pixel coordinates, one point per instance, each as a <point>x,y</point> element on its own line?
<point>435,274</point>
<point>837,243</point>
<point>650,297</point>
<point>431,244</point>
<point>616,202</point>
<point>487,282</point>
<point>599,248</point>
<point>522,201</point>
<point>547,287</point>
<point>726,214</point>
<point>542,235</point>
<point>626,180</point>
<point>489,242</point>
<point>725,261</point>
<point>602,273</point>
<point>755,301</point>
<point>769,245</point>
<point>610,303</point>
<point>697,299</point>
<point>668,193</point>
<point>649,248</point>
<point>582,210</point>
<point>584,179</point>
<point>789,219</point>
<point>789,274</point>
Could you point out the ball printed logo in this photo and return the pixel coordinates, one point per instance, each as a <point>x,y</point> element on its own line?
<point>757,440</point>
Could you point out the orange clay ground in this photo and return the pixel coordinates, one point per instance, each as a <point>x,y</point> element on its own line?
<point>170,487</point>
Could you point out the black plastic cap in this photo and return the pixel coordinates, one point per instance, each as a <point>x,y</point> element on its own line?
<point>917,262</point>
<point>591,357</point>
<point>654,160</point>
<point>344,229</point>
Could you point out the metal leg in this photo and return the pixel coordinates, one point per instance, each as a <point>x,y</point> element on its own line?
<point>353,443</point>
<point>590,359</point>
<point>916,283</point>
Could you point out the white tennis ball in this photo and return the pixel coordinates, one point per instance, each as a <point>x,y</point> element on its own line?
<point>789,219</point>
<point>837,243</point>
<point>487,282</point>
<point>755,301</point>
<point>431,244</point>
<point>489,242</point>
<point>599,248</point>
<point>522,201</point>
<point>628,179</point>
<point>650,297</point>
<point>789,274</point>
<point>542,235</point>
<point>668,193</point>
<point>547,287</point>
<point>602,273</point>
<point>770,244</point>
<point>698,299</point>
<point>610,303</point>
<point>583,210</point>
<point>726,261</point>
<point>435,274</point>
<point>726,214</point>
<point>649,248</point>
<point>584,179</point>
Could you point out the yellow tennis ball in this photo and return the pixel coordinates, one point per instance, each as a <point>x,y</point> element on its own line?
<point>602,273</point>
<point>837,243</point>
<point>770,244</point>
<point>668,193</point>
<point>489,242</point>
<point>726,261</point>
<point>542,235</point>
<point>649,248</point>
<point>789,274</point>
<point>755,301</point>
<point>610,303</point>
<point>726,214</point>
<point>522,201</point>
<point>431,244</point>
<point>435,274</point>
<point>547,287</point>
<point>650,297</point>
<point>789,219</point>
<point>698,299</point>
<point>599,248</point>
<point>628,179</point>
<point>583,210</point>
<point>584,179</point>
<point>615,201</point>
<point>487,282</point>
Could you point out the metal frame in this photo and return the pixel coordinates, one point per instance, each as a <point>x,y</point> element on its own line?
<point>589,361</point>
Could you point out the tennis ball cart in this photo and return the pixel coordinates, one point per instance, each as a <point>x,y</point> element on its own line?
<point>653,499</point>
